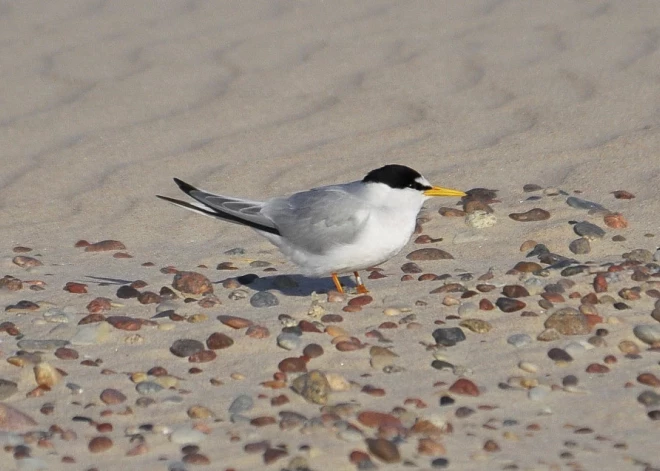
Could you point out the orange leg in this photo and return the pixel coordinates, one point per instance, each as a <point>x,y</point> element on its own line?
<point>360,287</point>
<point>335,280</point>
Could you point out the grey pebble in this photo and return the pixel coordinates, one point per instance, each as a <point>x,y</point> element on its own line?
<point>467,309</point>
<point>264,299</point>
<point>176,466</point>
<point>242,403</point>
<point>649,398</point>
<point>7,388</point>
<point>442,365</point>
<point>639,255</point>
<point>239,419</point>
<point>580,246</point>
<point>569,380</point>
<point>74,388</point>
<point>148,387</point>
<point>557,354</point>
<point>647,333</point>
<point>448,336</point>
<point>579,203</point>
<point>46,344</point>
<point>519,340</point>
<point>235,251</point>
<point>588,230</point>
<point>186,347</point>
<point>260,264</point>
<point>288,341</point>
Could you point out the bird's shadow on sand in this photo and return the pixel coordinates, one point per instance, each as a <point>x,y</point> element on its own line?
<point>287,285</point>
<point>293,285</point>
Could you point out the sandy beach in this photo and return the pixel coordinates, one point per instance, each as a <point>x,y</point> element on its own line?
<point>465,359</point>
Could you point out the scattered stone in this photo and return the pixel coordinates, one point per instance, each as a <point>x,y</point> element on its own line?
<point>559,355</point>
<point>579,203</point>
<point>649,334</point>
<point>384,450</point>
<point>615,221</point>
<point>112,396</point>
<point>7,389</point>
<point>588,230</point>
<point>509,305</point>
<point>639,255</point>
<point>568,321</point>
<point>448,336</point>
<point>186,347</point>
<point>235,322</point>
<point>104,246</point>
<point>264,299</point>
<point>429,254</point>
<point>580,246</point>
<point>536,214</point>
<point>26,262</point>
<point>515,291</point>
<point>478,326</point>
<point>192,283</point>
<point>219,341</point>
<point>99,444</point>
<point>464,387</point>
<point>47,375</point>
<point>527,267</point>
<point>313,386</point>
<point>519,340</point>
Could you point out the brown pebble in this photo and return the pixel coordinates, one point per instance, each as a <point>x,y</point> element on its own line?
<point>528,245</point>
<point>111,396</point>
<point>527,267</point>
<point>91,319</point>
<point>274,454</point>
<point>219,341</point>
<point>292,365</point>
<point>360,300</point>
<point>464,387</point>
<point>21,249</point>
<point>104,427</point>
<point>411,267</point>
<point>64,353</point>
<point>263,421</point>
<point>257,332</point>
<point>600,283</point>
<point>623,195</point>
<point>649,379</point>
<point>536,214</point>
<point>597,368</point>
<point>99,305</point>
<point>384,450</point>
<point>486,305</point>
<point>104,245</point>
<point>235,322</point>
<point>509,304</point>
<point>376,419</point>
<point>313,350</point>
<point>491,446</point>
<point>279,400</point>
<point>149,297</point>
<point>615,221</point>
<point>451,212</point>
<point>515,291</point>
<point>99,444</point>
<point>26,262</point>
<point>331,318</point>
<point>196,458</point>
<point>203,356</point>
<point>429,254</point>
<point>76,288</point>
<point>190,282</point>
<point>124,323</point>
<point>373,391</point>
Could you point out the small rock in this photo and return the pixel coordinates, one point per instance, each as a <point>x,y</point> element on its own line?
<point>7,389</point>
<point>568,321</point>
<point>384,450</point>
<point>219,341</point>
<point>579,203</point>
<point>313,386</point>
<point>99,444</point>
<point>429,254</point>
<point>615,221</point>
<point>47,375</point>
<point>192,283</point>
<point>448,336</point>
<point>264,299</point>
<point>26,262</point>
<point>588,230</point>
<point>559,355</point>
<point>112,396</point>
<point>580,246</point>
<point>242,403</point>
<point>476,325</point>
<point>649,334</point>
<point>104,246</point>
<point>186,347</point>
<point>519,340</point>
<point>509,304</point>
<point>536,214</point>
<point>464,387</point>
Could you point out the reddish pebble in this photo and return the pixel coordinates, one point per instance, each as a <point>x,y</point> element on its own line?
<point>464,387</point>
<point>26,262</point>
<point>351,309</point>
<point>375,419</point>
<point>64,353</point>
<point>331,318</point>
<point>307,326</point>
<point>274,454</point>
<point>292,365</point>
<point>104,427</point>
<point>235,322</point>
<point>376,275</point>
<point>486,305</point>
<point>384,450</point>
<point>196,458</point>
<point>553,297</point>
<point>81,243</point>
<point>361,300</point>
<point>623,195</point>
<point>600,283</point>
<point>99,305</point>
<point>615,221</point>
<point>124,323</point>
<point>649,379</point>
<point>527,267</point>
<point>348,346</point>
<point>356,457</point>
<point>76,288</point>
<point>149,297</point>
<point>515,291</point>
<point>263,421</point>
<point>99,444</point>
<point>535,214</point>
<point>91,319</point>
<point>373,391</point>
<point>202,357</point>
<point>104,246</point>
<point>597,368</point>
<point>192,283</point>
<point>257,332</point>
<point>279,400</point>
<point>388,325</point>
<point>509,304</point>
<point>121,255</point>
<point>219,341</point>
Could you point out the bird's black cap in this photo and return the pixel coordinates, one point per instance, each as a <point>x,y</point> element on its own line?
<point>396,176</point>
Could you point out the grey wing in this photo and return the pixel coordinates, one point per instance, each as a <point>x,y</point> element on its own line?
<point>318,220</point>
<point>236,210</point>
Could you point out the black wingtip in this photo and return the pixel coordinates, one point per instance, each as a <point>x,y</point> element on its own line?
<point>185,187</point>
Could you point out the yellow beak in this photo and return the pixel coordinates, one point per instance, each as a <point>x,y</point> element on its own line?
<point>439,191</point>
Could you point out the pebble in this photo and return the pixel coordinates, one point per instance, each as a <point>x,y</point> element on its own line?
<point>480,219</point>
<point>649,333</point>
<point>312,386</point>
<point>615,221</point>
<point>588,230</point>
<point>478,326</point>
<point>515,291</point>
<point>7,389</point>
<point>509,304</point>
<point>639,255</point>
<point>186,347</point>
<point>264,299</point>
<point>519,340</point>
<point>99,444</point>
<point>649,398</point>
<point>192,283</point>
<point>429,254</point>
<point>187,436</point>
<point>559,355</point>
<point>535,214</point>
<point>288,341</point>
<point>568,321</point>
<point>26,262</point>
<point>104,246</point>
<point>384,450</point>
<point>580,246</point>
<point>112,396</point>
<point>467,309</point>
<point>465,387</point>
<point>146,388</point>
<point>235,322</point>
<point>242,403</point>
<point>46,344</point>
<point>448,336</point>
<point>579,203</point>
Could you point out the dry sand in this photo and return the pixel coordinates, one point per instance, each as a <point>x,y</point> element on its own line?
<point>104,102</point>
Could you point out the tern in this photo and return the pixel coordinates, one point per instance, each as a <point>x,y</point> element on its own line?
<point>331,229</point>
